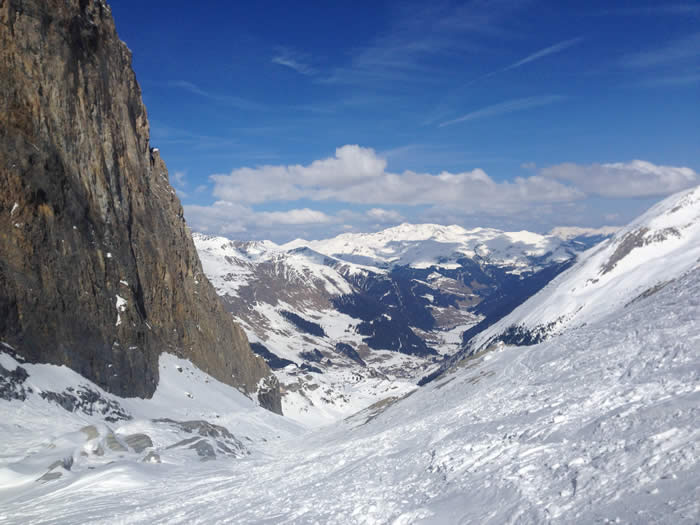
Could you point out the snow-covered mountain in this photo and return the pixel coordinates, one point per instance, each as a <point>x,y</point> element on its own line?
<point>345,322</point>
<point>596,425</point>
<point>426,245</point>
<point>637,262</point>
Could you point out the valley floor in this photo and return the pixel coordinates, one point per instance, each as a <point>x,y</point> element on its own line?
<point>598,425</point>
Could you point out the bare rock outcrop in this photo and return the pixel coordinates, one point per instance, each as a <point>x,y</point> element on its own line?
<point>98,270</point>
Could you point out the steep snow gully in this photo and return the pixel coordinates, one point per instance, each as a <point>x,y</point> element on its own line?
<point>596,424</point>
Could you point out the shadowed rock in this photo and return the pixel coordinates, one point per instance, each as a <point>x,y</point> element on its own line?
<point>97,267</point>
<point>138,442</point>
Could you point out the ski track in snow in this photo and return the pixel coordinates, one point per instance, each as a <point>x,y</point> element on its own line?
<point>597,425</point>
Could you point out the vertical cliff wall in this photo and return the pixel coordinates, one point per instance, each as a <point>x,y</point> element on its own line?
<point>97,267</point>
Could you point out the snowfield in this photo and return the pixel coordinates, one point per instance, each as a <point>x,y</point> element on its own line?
<point>600,424</point>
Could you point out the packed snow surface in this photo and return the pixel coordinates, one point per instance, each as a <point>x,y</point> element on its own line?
<point>597,425</point>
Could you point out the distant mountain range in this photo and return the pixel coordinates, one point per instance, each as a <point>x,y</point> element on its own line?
<point>379,308</point>
<point>639,260</point>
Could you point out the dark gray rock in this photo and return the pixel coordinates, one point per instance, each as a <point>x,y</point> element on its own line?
<point>138,442</point>
<point>151,457</point>
<point>348,351</point>
<point>87,401</point>
<point>98,270</point>
<point>12,384</point>
<point>208,438</point>
<point>204,450</point>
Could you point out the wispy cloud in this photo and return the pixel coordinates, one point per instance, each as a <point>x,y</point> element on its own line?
<point>229,100</point>
<point>180,179</point>
<point>681,79</point>
<point>419,33</point>
<point>293,60</point>
<point>162,134</point>
<point>556,48</point>
<point>685,48</point>
<point>668,9</point>
<point>383,216</point>
<point>509,106</point>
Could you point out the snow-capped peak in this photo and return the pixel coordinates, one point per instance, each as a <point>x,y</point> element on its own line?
<point>424,245</point>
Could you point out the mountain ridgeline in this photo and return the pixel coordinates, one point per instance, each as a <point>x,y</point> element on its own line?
<point>359,309</point>
<point>98,270</point>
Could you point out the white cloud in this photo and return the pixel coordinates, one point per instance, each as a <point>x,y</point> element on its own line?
<point>228,100</point>
<point>293,60</point>
<point>509,106</point>
<point>556,48</point>
<point>359,178</point>
<point>238,221</point>
<point>382,215</point>
<point>302,216</point>
<point>358,175</point>
<point>179,177</point>
<point>225,218</point>
<point>682,49</point>
<point>632,179</point>
<point>351,164</point>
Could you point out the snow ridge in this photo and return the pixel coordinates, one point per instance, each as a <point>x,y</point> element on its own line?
<point>657,248</point>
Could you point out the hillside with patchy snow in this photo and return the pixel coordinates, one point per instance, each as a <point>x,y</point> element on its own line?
<point>348,321</point>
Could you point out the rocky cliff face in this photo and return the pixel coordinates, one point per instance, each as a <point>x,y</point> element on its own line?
<point>97,267</point>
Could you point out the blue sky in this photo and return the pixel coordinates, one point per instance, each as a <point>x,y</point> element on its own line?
<point>286,119</point>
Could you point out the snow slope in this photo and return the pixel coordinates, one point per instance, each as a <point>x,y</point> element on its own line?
<point>652,251</point>
<point>597,425</point>
<point>43,442</point>
<point>260,281</point>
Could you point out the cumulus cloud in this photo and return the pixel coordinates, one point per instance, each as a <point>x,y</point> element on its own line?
<point>358,175</point>
<point>632,179</point>
<point>225,218</point>
<point>350,165</point>
<point>241,222</point>
<point>358,178</point>
<point>302,216</point>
